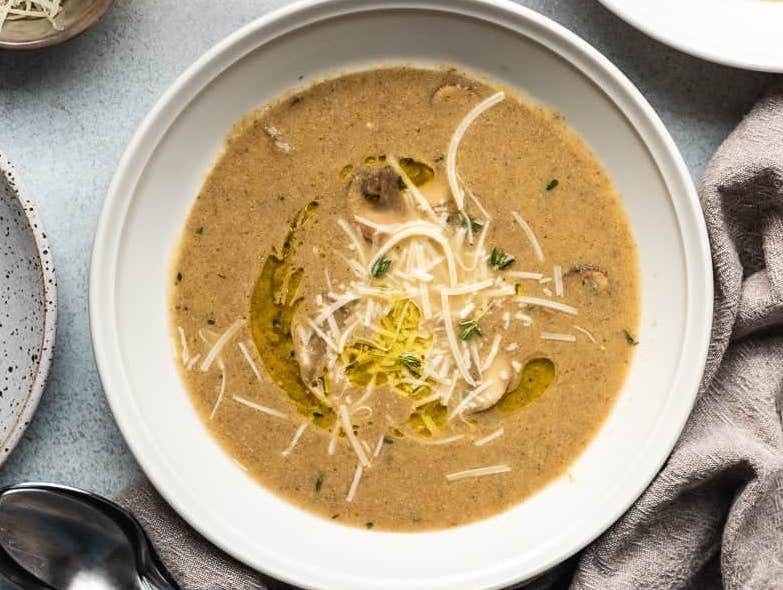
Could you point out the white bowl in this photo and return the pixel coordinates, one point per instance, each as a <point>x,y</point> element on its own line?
<point>161,173</point>
<point>740,33</point>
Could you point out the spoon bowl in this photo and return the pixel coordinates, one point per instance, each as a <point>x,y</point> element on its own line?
<point>56,537</point>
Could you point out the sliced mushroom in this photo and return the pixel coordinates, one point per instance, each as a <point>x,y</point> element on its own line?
<point>450,92</point>
<point>589,276</point>
<point>501,374</point>
<point>374,194</point>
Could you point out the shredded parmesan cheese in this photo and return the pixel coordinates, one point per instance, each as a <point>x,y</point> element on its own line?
<point>506,319</point>
<point>330,309</point>
<point>297,435</point>
<point>222,389</point>
<point>445,440</point>
<point>490,437</point>
<point>451,155</point>
<point>426,230</point>
<point>524,275</point>
<point>478,472</point>
<point>192,362</point>
<point>221,342</point>
<point>358,246</point>
<point>478,204</point>
<point>333,438</point>
<point>328,278</point>
<point>452,338</point>
<point>557,272</point>
<point>538,302</point>
<point>468,288</point>
<point>465,403</point>
<point>557,336</point>
<point>184,345</point>
<point>347,333</point>
<point>357,477</point>
<point>493,352</point>
<point>259,407</point>
<point>531,237</point>
<point>421,201</point>
<point>587,333</point>
<point>249,358</point>
<point>348,429</point>
<point>379,446</point>
<point>322,335</point>
<point>474,355</point>
<point>32,9</point>
<point>450,391</point>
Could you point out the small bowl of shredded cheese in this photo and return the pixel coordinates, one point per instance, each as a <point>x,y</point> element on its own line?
<point>31,24</point>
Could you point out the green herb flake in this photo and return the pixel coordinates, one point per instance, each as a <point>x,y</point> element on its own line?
<point>179,277</point>
<point>467,328</point>
<point>552,184</point>
<point>410,360</point>
<point>629,338</point>
<point>200,230</point>
<point>476,225</point>
<point>319,483</point>
<point>500,259</point>
<point>335,516</point>
<point>439,158</point>
<point>387,440</point>
<point>211,322</point>
<point>369,525</point>
<point>380,267</point>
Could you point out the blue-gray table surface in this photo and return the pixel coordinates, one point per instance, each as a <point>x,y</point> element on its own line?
<point>67,113</point>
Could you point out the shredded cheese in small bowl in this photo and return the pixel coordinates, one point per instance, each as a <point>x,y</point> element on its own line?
<point>31,24</point>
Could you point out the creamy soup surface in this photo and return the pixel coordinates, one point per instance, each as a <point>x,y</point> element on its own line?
<point>403,299</point>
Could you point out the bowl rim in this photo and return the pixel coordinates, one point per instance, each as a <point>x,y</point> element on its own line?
<point>94,12</point>
<point>49,283</point>
<point>292,17</point>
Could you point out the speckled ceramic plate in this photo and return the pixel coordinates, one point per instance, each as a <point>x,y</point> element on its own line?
<point>28,309</point>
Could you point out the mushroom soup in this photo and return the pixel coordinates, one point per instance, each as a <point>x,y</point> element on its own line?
<point>404,298</point>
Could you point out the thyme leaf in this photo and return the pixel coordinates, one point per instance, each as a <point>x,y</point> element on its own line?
<point>500,259</point>
<point>410,360</point>
<point>468,328</point>
<point>380,267</point>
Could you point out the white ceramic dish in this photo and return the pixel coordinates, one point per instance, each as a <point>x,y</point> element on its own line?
<point>161,173</point>
<point>740,33</point>
<point>28,309</point>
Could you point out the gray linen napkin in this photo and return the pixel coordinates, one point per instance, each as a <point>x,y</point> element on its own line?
<point>714,515</point>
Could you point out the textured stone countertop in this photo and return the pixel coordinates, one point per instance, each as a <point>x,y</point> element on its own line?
<point>67,113</point>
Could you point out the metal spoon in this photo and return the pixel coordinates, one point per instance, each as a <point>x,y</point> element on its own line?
<point>59,538</point>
